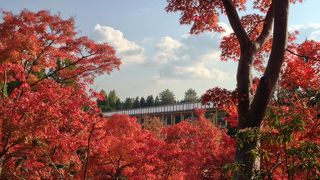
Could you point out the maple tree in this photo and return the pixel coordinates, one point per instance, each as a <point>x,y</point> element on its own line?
<point>289,142</point>
<point>120,148</point>
<point>260,42</point>
<point>44,70</point>
<point>154,125</point>
<point>293,116</point>
<point>197,150</point>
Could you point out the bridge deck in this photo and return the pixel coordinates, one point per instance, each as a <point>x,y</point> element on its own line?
<point>182,107</point>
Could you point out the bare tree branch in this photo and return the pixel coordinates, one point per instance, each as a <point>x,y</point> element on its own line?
<point>279,46</point>
<point>60,69</point>
<point>306,58</point>
<point>235,22</point>
<point>267,29</point>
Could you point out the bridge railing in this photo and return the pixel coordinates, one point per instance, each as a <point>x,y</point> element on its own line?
<point>162,109</point>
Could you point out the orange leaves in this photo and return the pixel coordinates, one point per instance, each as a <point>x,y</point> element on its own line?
<point>39,40</point>
<point>121,146</point>
<point>310,50</point>
<point>45,108</point>
<point>201,141</point>
<point>31,79</point>
<point>302,66</point>
<point>224,100</point>
<point>253,25</point>
<point>230,48</point>
<point>203,15</point>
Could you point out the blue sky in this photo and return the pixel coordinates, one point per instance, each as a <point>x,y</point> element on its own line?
<point>156,51</point>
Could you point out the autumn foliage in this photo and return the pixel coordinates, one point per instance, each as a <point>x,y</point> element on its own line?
<point>51,127</point>
<point>289,134</point>
<point>277,87</point>
<point>44,69</point>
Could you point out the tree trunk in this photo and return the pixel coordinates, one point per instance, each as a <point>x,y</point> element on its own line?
<point>252,111</point>
<point>245,97</point>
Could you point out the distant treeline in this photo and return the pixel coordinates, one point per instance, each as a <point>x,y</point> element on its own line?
<point>112,102</point>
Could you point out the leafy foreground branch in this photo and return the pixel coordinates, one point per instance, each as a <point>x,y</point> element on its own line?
<point>261,42</point>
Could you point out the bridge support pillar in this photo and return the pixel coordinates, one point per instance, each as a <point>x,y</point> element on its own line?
<point>173,119</point>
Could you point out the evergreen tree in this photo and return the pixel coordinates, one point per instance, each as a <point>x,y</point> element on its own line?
<point>143,102</point>
<point>118,104</point>
<point>112,99</point>
<point>128,103</point>
<point>150,101</point>
<point>190,96</point>
<point>136,103</point>
<point>167,97</point>
<point>157,101</point>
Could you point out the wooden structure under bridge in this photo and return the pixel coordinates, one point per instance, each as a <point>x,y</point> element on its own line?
<point>174,113</point>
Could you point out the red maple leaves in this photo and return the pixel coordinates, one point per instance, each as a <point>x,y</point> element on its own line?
<point>44,104</point>
<point>51,127</point>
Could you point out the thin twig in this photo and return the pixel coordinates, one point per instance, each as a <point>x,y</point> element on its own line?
<point>306,58</point>
<point>88,153</point>
<point>53,164</point>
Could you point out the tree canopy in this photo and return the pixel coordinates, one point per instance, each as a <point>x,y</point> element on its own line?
<point>167,97</point>
<point>45,67</point>
<point>261,42</point>
<point>190,96</point>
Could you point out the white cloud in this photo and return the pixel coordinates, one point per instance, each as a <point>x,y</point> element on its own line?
<point>294,28</point>
<point>307,31</point>
<point>212,57</point>
<point>166,49</point>
<point>195,57</point>
<point>199,71</point>
<point>147,39</point>
<point>164,81</point>
<point>299,27</point>
<point>315,35</point>
<point>128,51</point>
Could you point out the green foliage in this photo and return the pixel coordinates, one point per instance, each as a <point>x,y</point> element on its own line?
<point>143,102</point>
<point>232,168</point>
<point>128,103</point>
<point>248,136</point>
<point>167,97</point>
<point>112,99</point>
<point>4,89</point>
<point>110,103</point>
<point>11,86</point>
<point>308,155</point>
<point>119,105</point>
<point>150,101</point>
<point>136,102</point>
<point>190,96</point>
<point>157,101</point>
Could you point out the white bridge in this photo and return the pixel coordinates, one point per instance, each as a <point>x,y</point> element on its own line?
<point>174,113</point>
